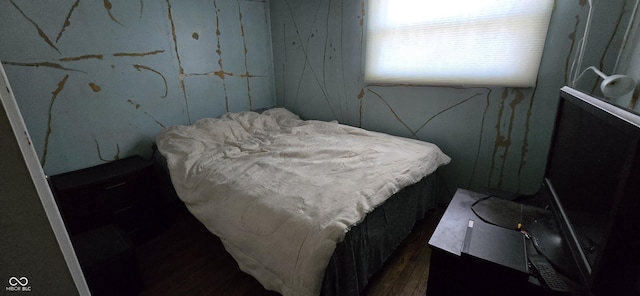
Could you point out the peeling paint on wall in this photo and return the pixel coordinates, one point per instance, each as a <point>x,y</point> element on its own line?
<point>518,97</point>
<point>221,72</point>
<point>567,63</point>
<point>67,21</point>
<point>397,117</point>
<point>137,106</point>
<point>42,64</point>
<point>55,94</point>
<point>245,51</point>
<point>524,150</point>
<point>40,32</point>
<point>83,57</point>
<point>180,68</point>
<point>164,80</point>
<point>618,22</point>
<point>495,135</point>
<point>124,63</point>
<point>116,156</point>
<point>108,6</point>
<point>138,54</point>
<point>360,104</point>
<point>94,87</point>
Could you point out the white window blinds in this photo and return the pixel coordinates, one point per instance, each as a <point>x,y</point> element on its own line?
<point>456,42</point>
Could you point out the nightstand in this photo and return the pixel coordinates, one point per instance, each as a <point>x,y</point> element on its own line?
<point>109,209</point>
<point>123,193</point>
<point>455,273</point>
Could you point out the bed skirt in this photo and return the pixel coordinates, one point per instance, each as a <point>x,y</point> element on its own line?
<point>369,244</point>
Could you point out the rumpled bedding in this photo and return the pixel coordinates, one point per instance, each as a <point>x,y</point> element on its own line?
<point>281,192</point>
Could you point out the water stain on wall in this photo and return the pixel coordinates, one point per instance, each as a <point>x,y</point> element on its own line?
<point>616,29</point>
<point>500,140</point>
<point>181,74</point>
<point>486,94</point>
<point>221,72</point>
<point>524,151</point>
<point>143,67</point>
<point>393,112</point>
<point>138,106</point>
<point>246,67</point>
<point>94,87</point>
<point>141,7</point>
<point>108,6</point>
<point>82,57</point>
<point>360,106</point>
<point>503,142</point>
<point>40,31</point>
<point>307,64</point>
<point>138,54</point>
<point>116,156</point>
<point>67,21</point>
<point>134,103</point>
<point>567,63</point>
<point>55,93</point>
<point>603,56</point>
<point>307,78</point>
<point>42,64</point>
<point>449,108</point>
<point>70,28</point>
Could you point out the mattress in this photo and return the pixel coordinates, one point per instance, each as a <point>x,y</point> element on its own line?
<point>282,192</point>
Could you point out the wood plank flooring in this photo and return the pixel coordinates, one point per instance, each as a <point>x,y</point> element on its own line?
<point>187,259</point>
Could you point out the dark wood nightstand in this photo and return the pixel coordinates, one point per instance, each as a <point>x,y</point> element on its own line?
<point>123,193</point>
<point>109,209</point>
<point>454,273</point>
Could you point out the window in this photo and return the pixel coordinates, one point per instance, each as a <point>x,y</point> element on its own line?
<point>456,42</point>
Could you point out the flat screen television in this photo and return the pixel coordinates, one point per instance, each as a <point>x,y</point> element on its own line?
<point>592,180</point>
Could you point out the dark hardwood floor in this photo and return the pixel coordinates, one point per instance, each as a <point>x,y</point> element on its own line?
<point>187,259</point>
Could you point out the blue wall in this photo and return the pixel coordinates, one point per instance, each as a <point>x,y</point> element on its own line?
<point>97,80</point>
<point>497,137</point>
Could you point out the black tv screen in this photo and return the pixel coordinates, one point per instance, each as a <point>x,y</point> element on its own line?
<point>592,171</point>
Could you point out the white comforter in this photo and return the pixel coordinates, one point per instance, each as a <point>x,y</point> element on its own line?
<point>280,192</point>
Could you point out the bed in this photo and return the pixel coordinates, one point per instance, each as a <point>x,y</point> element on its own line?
<point>306,207</point>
